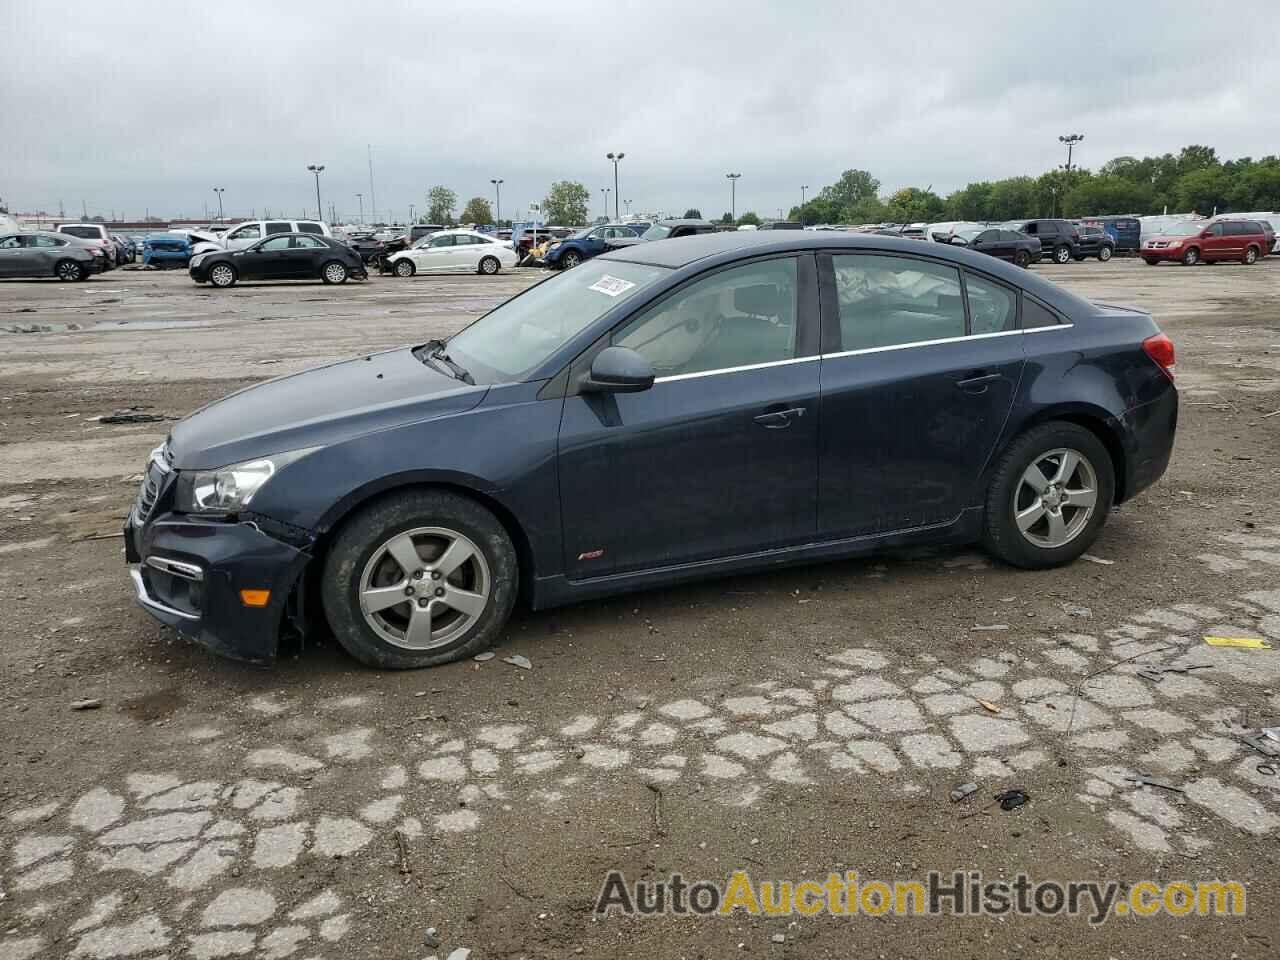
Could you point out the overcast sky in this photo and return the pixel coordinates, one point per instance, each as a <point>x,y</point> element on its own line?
<point>141,105</point>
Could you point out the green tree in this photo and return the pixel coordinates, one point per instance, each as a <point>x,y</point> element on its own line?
<point>1203,191</point>
<point>440,204</point>
<point>870,210</point>
<point>1107,194</point>
<point>566,203</point>
<point>853,187</point>
<point>911,204</point>
<point>693,213</point>
<point>477,211</point>
<point>727,218</point>
<point>749,218</point>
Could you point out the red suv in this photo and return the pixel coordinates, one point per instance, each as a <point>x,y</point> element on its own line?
<point>1190,243</point>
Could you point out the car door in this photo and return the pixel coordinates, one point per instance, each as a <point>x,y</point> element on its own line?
<point>1216,243</point>
<point>45,252</point>
<point>465,255</point>
<point>919,372</point>
<point>265,261</point>
<point>719,457</point>
<point>989,242</point>
<point>304,256</point>
<point>12,256</point>
<point>436,256</point>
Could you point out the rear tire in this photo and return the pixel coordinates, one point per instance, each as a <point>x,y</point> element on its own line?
<point>1022,258</point>
<point>1191,257</point>
<point>489,266</point>
<point>333,272</point>
<point>1061,254</point>
<point>1067,521</point>
<point>405,268</point>
<point>69,270</point>
<point>1250,256</point>
<point>432,522</point>
<point>1104,254</point>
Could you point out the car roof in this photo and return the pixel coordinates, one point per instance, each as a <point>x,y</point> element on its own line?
<point>715,248</point>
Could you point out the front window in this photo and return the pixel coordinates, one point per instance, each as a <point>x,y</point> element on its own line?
<point>735,318</point>
<point>447,240</point>
<point>251,232</point>
<point>509,343</point>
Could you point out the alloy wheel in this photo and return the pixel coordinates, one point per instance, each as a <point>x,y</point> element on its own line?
<point>1063,254</point>
<point>68,270</point>
<point>404,268</point>
<point>1104,254</point>
<point>571,260</point>
<point>1055,498</point>
<point>335,273</point>
<point>424,588</point>
<point>489,265</point>
<point>222,275</point>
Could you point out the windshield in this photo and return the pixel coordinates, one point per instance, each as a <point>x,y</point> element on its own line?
<point>510,342</point>
<point>970,233</point>
<point>582,234</point>
<point>1183,229</point>
<point>656,232</point>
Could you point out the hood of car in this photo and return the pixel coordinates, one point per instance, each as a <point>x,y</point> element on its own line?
<point>317,408</point>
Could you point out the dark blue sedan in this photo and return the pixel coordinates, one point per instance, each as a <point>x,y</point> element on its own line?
<point>568,253</point>
<point>675,410</point>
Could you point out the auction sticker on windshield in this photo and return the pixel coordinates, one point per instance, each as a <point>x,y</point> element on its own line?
<point>611,286</point>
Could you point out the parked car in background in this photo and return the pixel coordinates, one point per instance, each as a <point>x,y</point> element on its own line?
<point>1094,242</point>
<point>670,229</point>
<point>453,251</point>
<point>781,225</point>
<point>281,256</point>
<point>410,495</point>
<point>418,231</point>
<point>1059,239</point>
<point>1125,232</point>
<point>124,249</point>
<point>1191,243</point>
<point>250,232</point>
<point>1269,221</point>
<point>96,234</point>
<point>1001,243</point>
<point>40,253</point>
<point>365,244</point>
<point>568,253</point>
<point>1268,231</point>
<point>166,249</point>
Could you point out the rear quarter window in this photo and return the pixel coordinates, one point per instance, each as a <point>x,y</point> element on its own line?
<point>1036,315</point>
<point>310,228</point>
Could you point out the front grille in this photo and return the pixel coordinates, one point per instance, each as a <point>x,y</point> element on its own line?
<point>154,480</point>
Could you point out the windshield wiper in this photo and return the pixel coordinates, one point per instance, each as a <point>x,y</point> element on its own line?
<point>434,350</point>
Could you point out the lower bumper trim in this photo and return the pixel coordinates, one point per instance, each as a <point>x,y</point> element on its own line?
<point>140,587</point>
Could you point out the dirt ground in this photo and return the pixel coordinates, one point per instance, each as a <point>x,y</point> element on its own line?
<point>790,724</point>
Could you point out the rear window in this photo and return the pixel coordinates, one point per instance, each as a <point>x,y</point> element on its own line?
<point>84,233</point>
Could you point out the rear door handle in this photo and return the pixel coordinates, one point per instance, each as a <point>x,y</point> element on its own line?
<point>978,384</point>
<point>778,419</point>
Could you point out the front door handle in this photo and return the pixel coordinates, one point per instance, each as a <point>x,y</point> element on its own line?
<point>978,384</point>
<point>778,419</point>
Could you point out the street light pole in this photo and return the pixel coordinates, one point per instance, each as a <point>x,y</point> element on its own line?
<point>497,189</point>
<point>411,214</point>
<point>219,191</point>
<point>605,191</point>
<point>316,168</point>
<point>1071,140</point>
<point>616,158</point>
<point>360,197</point>
<point>733,195</point>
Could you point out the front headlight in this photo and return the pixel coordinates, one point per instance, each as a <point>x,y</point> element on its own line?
<point>195,260</point>
<point>229,489</point>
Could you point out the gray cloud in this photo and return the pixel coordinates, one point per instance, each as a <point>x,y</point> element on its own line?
<point>151,104</point>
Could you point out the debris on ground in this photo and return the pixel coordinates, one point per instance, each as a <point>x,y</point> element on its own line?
<point>1143,780</point>
<point>1092,559</point>
<point>483,656</point>
<point>1156,673</point>
<point>991,628</point>
<point>1271,732</point>
<point>460,954</point>
<point>779,938</point>
<point>1261,743</point>
<point>962,791</point>
<point>517,660</point>
<point>432,937</point>
<point>1012,799</point>
<point>90,704</point>
<point>1244,643</point>
<point>987,705</point>
<point>1077,610</point>
<point>129,415</point>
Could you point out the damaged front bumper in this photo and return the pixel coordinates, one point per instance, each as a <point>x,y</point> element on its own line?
<point>189,573</point>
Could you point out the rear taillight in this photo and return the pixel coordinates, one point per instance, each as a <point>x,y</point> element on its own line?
<point>1160,349</point>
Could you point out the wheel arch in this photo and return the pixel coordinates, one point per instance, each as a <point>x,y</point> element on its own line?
<point>1098,422</point>
<point>460,484</point>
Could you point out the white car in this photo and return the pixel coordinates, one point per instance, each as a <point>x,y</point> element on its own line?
<point>454,251</point>
<point>251,231</point>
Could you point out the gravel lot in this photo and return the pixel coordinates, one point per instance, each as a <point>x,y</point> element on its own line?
<point>791,723</point>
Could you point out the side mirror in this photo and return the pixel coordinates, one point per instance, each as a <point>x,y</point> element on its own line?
<point>618,370</point>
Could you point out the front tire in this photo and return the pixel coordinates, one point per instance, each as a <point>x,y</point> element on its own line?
<point>489,266</point>
<point>1061,254</point>
<point>1104,254</point>
<point>68,271</point>
<point>452,603</point>
<point>1191,257</point>
<point>1049,496</point>
<point>405,268</point>
<point>1151,262</point>
<point>333,272</point>
<point>222,275</point>
<point>570,260</point>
